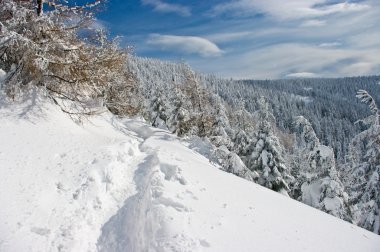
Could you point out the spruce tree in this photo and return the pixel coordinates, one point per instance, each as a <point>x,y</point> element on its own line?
<point>364,170</point>
<point>266,155</point>
<point>317,181</point>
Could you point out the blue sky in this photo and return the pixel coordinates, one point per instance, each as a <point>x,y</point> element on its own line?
<point>259,39</point>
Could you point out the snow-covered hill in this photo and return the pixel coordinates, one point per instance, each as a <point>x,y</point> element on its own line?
<point>120,185</point>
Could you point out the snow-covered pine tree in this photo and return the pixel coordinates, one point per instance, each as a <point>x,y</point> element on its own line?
<point>364,170</point>
<point>316,179</point>
<point>323,188</point>
<point>241,141</point>
<point>235,165</point>
<point>180,116</point>
<point>159,106</point>
<point>265,155</point>
<point>221,129</point>
<point>200,112</point>
<point>305,142</point>
<point>232,163</point>
<point>243,125</point>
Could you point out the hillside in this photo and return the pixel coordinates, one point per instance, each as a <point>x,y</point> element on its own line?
<point>309,139</point>
<point>271,132</point>
<point>101,150</point>
<point>110,185</point>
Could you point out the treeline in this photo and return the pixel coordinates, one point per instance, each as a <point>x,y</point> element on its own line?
<point>327,103</point>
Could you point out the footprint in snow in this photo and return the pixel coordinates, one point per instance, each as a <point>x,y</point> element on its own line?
<point>204,243</point>
<point>172,173</point>
<point>40,231</point>
<point>60,187</point>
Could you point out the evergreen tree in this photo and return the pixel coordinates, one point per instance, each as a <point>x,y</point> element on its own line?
<point>305,142</point>
<point>159,110</point>
<point>316,179</point>
<point>180,115</point>
<point>322,188</point>
<point>221,128</point>
<point>266,153</point>
<point>363,176</point>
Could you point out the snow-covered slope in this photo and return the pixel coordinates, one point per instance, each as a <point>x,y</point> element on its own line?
<point>120,185</point>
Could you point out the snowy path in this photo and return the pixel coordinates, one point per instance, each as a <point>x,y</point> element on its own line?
<point>185,204</point>
<point>112,185</point>
<point>147,221</point>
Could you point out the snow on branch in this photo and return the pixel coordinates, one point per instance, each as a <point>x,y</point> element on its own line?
<point>368,99</point>
<point>65,7</point>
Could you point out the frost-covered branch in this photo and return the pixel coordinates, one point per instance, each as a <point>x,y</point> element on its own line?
<point>45,49</point>
<point>368,99</point>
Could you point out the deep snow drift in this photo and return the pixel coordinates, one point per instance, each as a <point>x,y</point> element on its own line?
<point>120,185</point>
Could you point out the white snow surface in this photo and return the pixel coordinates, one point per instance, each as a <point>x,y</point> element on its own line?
<point>3,75</point>
<point>120,185</point>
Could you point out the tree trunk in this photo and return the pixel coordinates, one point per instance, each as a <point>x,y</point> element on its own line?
<point>39,7</point>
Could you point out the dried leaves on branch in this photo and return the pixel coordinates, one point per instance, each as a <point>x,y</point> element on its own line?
<point>60,50</point>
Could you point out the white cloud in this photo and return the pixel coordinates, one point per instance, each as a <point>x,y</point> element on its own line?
<point>161,6</point>
<point>294,60</point>
<point>186,44</point>
<point>301,75</point>
<point>289,9</point>
<point>359,68</point>
<point>313,23</point>
<point>334,40</point>
<point>331,44</point>
<point>229,36</point>
<point>366,40</point>
<point>326,45</point>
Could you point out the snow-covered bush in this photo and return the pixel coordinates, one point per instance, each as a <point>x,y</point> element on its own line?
<point>59,51</point>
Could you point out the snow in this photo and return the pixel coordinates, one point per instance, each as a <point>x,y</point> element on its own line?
<point>332,204</point>
<point>115,185</point>
<point>325,152</point>
<point>311,193</point>
<point>305,99</point>
<point>3,75</point>
<point>60,181</point>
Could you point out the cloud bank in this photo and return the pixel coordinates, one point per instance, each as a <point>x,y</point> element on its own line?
<point>301,75</point>
<point>298,38</point>
<point>186,44</point>
<point>270,39</point>
<point>287,10</point>
<point>293,60</point>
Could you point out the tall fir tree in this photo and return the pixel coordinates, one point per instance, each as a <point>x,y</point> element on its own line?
<point>364,170</point>
<point>266,155</point>
<point>317,181</point>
